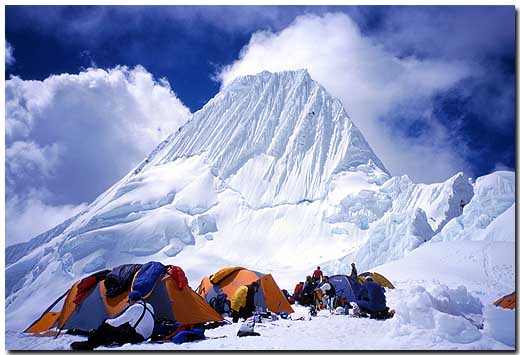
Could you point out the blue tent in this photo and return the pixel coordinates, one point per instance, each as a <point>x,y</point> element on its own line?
<point>345,286</point>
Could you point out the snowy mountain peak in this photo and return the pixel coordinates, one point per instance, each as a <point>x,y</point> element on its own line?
<point>265,76</point>
<point>282,127</point>
<point>271,174</point>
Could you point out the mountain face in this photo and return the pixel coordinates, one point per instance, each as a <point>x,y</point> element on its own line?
<point>271,174</point>
<point>282,131</point>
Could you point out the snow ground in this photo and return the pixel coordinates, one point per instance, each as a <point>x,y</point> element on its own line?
<point>324,332</point>
<point>437,308</point>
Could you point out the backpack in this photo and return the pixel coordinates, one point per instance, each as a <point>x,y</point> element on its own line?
<point>220,303</point>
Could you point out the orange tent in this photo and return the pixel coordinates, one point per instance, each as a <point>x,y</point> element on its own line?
<point>227,280</point>
<point>508,301</point>
<point>168,301</point>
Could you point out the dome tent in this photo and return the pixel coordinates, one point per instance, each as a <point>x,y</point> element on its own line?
<point>228,280</point>
<point>345,286</point>
<point>380,279</point>
<point>168,300</point>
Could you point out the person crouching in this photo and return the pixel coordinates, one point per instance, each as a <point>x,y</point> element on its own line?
<point>134,325</point>
<point>243,301</point>
<point>371,297</point>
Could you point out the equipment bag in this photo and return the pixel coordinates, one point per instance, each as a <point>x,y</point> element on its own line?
<point>220,303</point>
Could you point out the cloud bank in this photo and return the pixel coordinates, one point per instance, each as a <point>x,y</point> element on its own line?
<point>69,137</point>
<point>388,97</point>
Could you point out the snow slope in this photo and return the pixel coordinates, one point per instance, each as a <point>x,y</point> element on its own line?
<point>273,175</point>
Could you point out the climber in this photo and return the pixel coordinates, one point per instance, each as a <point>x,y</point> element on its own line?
<point>133,326</point>
<point>371,297</point>
<point>243,301</point>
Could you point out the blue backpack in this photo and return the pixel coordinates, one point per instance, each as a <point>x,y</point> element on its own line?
<point>220,303</point>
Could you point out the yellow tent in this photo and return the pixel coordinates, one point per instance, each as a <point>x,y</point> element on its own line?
<point>380,279</point>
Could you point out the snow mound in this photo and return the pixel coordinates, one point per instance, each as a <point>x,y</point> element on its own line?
<point>485,268</point>
<point>199,196</point>
<point>436,312</point>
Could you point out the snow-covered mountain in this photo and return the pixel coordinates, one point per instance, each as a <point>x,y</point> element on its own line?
<point>271,174</point>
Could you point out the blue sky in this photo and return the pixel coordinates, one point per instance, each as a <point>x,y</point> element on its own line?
<point>94,88</point>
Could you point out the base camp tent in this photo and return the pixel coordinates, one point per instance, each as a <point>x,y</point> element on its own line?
<point>227,280</point>
<point>345,286</point>
<point>380,279</point>
<point>168,300</point>
<point>508,301</point>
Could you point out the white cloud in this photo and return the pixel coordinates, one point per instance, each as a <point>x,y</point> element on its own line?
<point>24,159</point>
<point>372,83</point>
<point>502,167</point>
<point>73,135</point>
<point>9,54</point>
<point>29,217</point>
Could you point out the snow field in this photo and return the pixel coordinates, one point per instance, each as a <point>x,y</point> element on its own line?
<point>417,325</point>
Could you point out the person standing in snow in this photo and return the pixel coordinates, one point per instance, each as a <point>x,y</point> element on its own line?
<point>353,273</point>
<point>307,294</point>
<point>243,301</point>
<point>317,275</point>
<point>327,293</point>
<point>134,325</point>
<point>371,297</point>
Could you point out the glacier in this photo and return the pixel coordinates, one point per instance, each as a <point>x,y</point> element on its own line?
<point>272,174</point>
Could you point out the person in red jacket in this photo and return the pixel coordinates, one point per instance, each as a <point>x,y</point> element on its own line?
<point>297,290</point>
<point>317,275</point>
